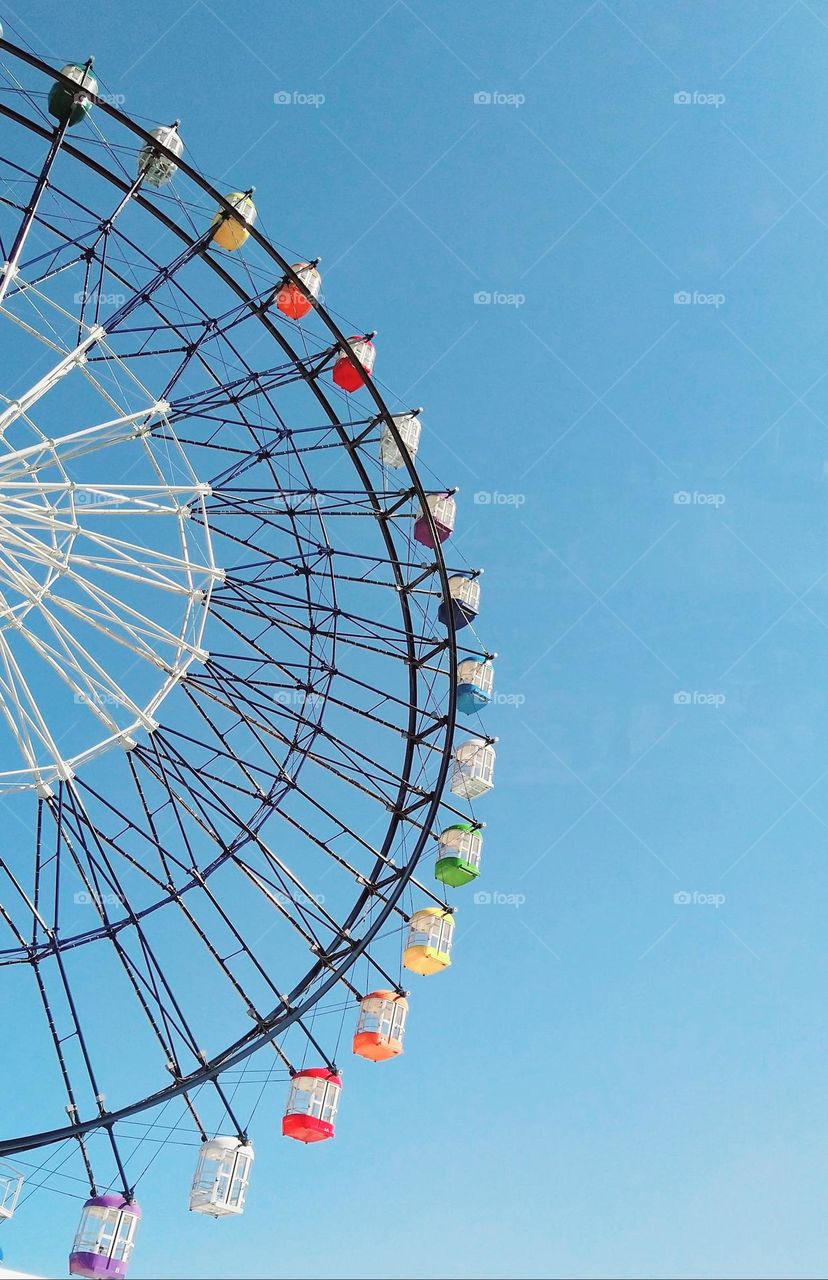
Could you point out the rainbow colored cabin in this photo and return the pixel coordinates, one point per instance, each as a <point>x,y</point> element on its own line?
<point>105,1237</point>
<point>430,937</point>
<point>475,685</point>
<point>73,104</point>
<point>290,299</point>
<point>464,595</point>
<point>443,510</point>
<point>381,1026</point>
<point>312,1105</point>
<point>458,854</point>
<point>230,231</point>
<point>346,377</point>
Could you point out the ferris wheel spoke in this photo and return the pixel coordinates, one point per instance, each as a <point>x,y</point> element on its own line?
<point>128,627</point>
<point>388,645</point>
<point>204,883</point>
<point>88,680</point>
<point>18,463</point>
<point>288,888</point>
<point>165,323</point>
<point>145,974</point>
<point>149,981</point>
<point>90,684</point>
<point>24,403</point>
<point>131,628</point>
<point>249,1005</point>
<point>234,693</point>
<point>78,355</point>
<point>126,559</point>
<point>353,776</point>
<point>54,270</point>
<point>203,404</point>
<point>22,715</point>
<point>103,889</point>
<point>297,503</point>
<point>147,843</point>
<point>8,270</point>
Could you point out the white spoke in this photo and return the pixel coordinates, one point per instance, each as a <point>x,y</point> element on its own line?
<point>24,403</point>
<point>100,582</point>
<point>133,623</point>
<point>76,444</point>
<point>22,714</point>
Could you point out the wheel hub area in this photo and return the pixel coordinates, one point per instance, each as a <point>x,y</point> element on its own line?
<point>106,573</point>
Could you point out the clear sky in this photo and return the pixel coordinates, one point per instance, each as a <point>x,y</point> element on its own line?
<point>623,1074</point>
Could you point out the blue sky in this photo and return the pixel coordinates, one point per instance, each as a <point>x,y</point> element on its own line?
<point>623,1073</point>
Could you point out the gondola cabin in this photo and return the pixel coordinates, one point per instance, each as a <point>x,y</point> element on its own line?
<point>409,429</point>
<point>443,510</point>
<point>221,1178</point>
<point>73,104</point>
<point>10,1183</point>
<point>290,299</point>
<point>381,1026</point>
<point>472,774</point>
<point>312,1105</point>
<point>105,1237</point>
<point>229,231</point>
<point>464,596</point>
<point>345,375</point>
<point>458,854</point>
<point>475,685</point>
<point>155,168</point>
<point>430,936</point>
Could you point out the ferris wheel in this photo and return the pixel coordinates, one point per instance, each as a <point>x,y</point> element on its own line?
<point>240,685</point>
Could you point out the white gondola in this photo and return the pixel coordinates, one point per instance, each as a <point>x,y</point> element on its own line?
<point>158,169</point>
<point>221,1178</point>
<point>410,429</point>
<point>473,771</point>
<point>10,1183</point>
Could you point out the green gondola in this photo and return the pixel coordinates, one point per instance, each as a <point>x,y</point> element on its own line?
<point>459,850</point>
<point>73,104</point>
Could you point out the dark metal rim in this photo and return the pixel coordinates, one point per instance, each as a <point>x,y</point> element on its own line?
<point>280,1019</point>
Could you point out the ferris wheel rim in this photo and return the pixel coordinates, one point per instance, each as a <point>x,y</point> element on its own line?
<point>336,423</point>
<point>280,1019</point>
